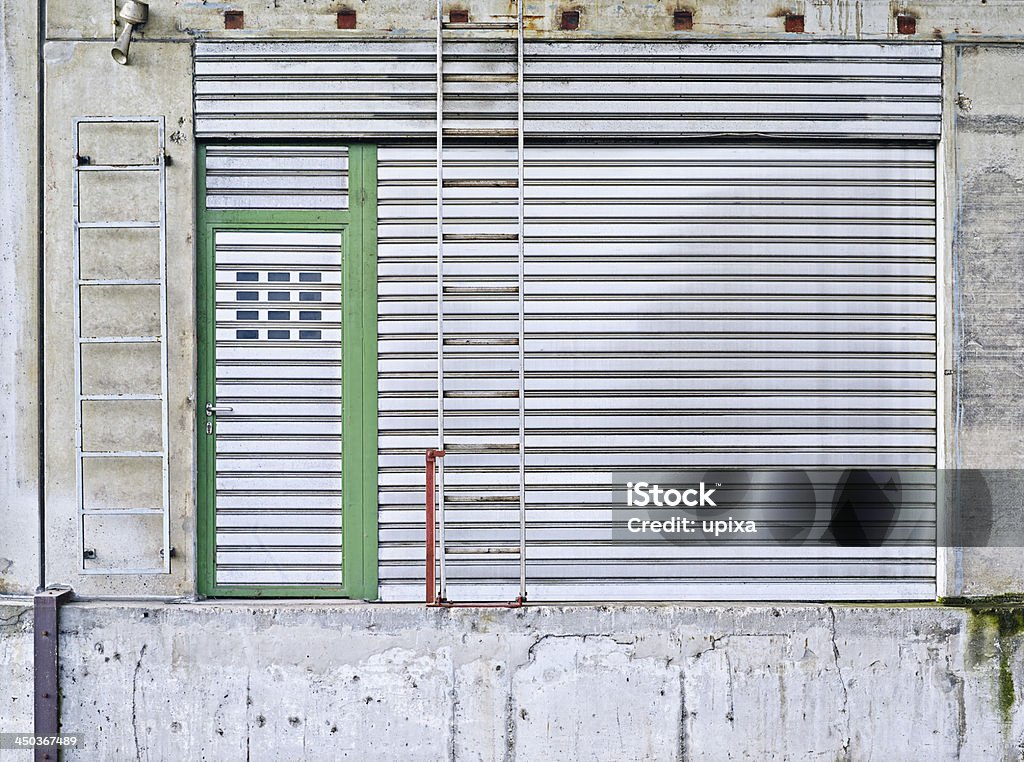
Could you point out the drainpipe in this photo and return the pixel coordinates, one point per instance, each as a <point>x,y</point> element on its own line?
<point>40,286</point>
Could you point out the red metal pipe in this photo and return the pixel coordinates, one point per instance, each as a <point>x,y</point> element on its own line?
<point>431,546</point>
<point>431,570</point>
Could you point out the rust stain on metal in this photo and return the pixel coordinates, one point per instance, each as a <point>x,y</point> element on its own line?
<point>234,19</point>
<point>458,16</point>
<point>795,23</point>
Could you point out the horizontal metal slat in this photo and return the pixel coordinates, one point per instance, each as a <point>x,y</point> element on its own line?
<point>305,89</point>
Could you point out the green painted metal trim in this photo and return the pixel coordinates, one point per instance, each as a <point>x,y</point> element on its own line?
<point>362,295</point>
<point>205,538</point>
<point>358,227</point>
<point>299,219</point>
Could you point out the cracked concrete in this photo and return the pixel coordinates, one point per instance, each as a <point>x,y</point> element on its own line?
<point>15,666</point>
<point>842,682</point>
<point>16,619</point>
<point>135,694</point>
<point>264,681</point>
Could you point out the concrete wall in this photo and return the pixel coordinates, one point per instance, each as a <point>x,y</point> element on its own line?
<point>91,19</point>
<point>19,299</point>
<point>15,665</point>
<point>615,683</point>
<point>83,81</point>
<point>987,303</point>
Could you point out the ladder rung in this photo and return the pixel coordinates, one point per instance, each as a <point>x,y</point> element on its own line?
<point>481,236</point>
<point>119,282</point>
<point>481,289</point>
<point>488,394</point>
<point>488,550</point>
<point>118,168</point>
<point>480,132</point>
<point>119,339</point>
<point>119,397</point>
<point>118,224</point>
<point>473,499</point>
<point>123,511</point>
<point>478,448</point>
<point>121,454</point>
<point>510,79</point>
<point>479,25</point>
<point>484,341</point>
<point>480,183</point>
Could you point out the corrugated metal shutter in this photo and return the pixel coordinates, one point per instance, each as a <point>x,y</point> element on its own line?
<point>717,304</point>
<point>278,367</point>
<point>276,177</point>
<point>593,89</point>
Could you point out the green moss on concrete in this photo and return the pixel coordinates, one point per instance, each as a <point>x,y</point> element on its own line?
<point>981,635</point>
<point>984,601</point>
<point>1006,692</point>
<point>994,628</point>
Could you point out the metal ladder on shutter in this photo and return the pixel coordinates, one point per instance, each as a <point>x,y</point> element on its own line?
<point>438,594</point>
<point>158,166</point>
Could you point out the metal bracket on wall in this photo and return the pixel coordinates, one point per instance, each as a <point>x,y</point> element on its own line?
<point>82,165</point>
<point>46,607</point>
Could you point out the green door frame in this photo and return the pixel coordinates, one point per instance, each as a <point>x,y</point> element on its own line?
<point>358,227</point>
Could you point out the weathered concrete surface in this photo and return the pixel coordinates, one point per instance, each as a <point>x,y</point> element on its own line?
<point>15,666</point>
<point>617,683</point>
<point>19,300</point>
<point>92,19</point>
<point>988,297</point>
<point>83,81</point>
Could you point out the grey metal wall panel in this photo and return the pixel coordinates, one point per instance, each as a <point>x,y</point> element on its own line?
<point>758,304</point>
<point>597,89</point>
<point>276,177</point>
<point>278,369</point>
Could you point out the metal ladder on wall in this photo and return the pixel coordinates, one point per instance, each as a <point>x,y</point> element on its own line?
<point>450,549</point>
<point>81,285</point>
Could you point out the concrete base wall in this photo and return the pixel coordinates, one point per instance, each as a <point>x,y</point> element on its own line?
<point>387,682</point>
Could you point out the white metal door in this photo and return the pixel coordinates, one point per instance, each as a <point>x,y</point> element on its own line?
<point>278,408</point>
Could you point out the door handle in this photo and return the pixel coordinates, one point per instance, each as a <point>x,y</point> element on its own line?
<point>211,409</point>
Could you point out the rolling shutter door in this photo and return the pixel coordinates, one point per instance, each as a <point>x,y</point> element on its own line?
<point>763,294</point>
<point>384,89</point>
<point>758,304</point>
